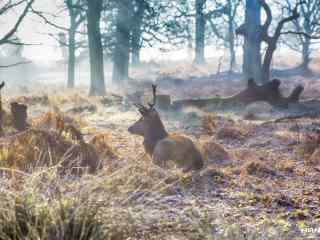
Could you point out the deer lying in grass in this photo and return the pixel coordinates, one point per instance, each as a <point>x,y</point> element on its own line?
<point>160,145</point>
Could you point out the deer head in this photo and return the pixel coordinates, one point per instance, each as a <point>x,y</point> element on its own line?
<point>149,125</point>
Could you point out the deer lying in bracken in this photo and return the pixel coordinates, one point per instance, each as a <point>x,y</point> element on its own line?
<point>160,145</point>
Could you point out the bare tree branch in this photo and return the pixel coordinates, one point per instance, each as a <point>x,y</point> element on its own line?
<point>301,34</point>
<point>14,29</point>
<point>267,10</point>
<point>9,6</point>
<point>15,64</point>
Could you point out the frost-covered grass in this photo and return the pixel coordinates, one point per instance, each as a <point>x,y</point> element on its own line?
<point>265,191</point>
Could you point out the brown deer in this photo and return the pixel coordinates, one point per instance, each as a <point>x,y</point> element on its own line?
<point>161,145</point>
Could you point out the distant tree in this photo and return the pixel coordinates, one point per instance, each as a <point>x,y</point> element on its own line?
<point>185,24</point>
<point>304,28</point>
<point>94,10</point>
<point>136,25</point>
<point>5,7</point>
<point>76,18</point>
<point>200,31</point>
<point>121,54</point>
<point>139,9</point>
<point>252,41</point>
<point>67,38</point>
<point>224,27</point>
<point>9,36</point>
<point>252,63</point>
<point>201,18</point>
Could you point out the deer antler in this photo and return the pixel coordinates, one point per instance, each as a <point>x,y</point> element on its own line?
<point>154,93</point>
<point>144,110</point>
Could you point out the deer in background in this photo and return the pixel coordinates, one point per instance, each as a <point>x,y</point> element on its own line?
<point>162,146</point>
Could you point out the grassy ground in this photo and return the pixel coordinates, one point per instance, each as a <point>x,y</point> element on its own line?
<point>263,184</point>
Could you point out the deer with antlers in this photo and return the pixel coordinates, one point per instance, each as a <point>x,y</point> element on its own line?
<point>162,146</point>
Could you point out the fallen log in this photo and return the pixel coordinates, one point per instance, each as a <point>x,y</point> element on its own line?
<point>308,115</point>
<point>268,92</point>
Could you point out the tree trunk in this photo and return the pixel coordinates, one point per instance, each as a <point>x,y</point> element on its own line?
<point>71,55</point>
<point>137,33</point>
<point>252,42</point>
<point>306,55</point>
<point>231,34</point>
<point>190,49</point>
<point>135,57</point>
<point>200,32</point>
<point>121,52</point>
<point>95,48</point>
<point>266,67</point>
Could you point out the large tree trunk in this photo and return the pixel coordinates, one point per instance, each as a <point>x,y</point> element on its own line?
<point>266,67</point>
<point>95,48</point>
<point>232,53</point>
<point>135,57</point>
<point>306,55</point>
<point>121,52</point>
<point>200,32</point>
<point>252,41</point>
<point>72,54</point>
<point>231,39</point>
<point>137,32</point>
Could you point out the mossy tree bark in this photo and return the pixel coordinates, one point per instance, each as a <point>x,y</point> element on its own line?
<point>97,87</point>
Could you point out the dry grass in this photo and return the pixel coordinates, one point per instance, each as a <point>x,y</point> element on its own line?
<point>33,100</point>
<point>231,133</point>
<point>257,168</point>
<point>134,202</point>
<point>54,139</point>
<point>208,124</point>
<point>309,147</point>
<point>215,153</point>
<point>267,192</point>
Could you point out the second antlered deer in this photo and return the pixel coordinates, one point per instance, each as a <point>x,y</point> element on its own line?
<point>162,146</point>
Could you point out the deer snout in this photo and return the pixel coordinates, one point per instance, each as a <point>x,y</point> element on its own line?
<point>136,129</point>
<point>130,129</point>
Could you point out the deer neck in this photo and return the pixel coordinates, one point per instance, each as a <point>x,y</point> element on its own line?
<point>153,136</point>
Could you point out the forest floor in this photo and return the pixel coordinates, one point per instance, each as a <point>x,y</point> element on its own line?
<point>261,179</point>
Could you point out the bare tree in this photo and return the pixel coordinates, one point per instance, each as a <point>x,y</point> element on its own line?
<point>77,15</point>
<point>8,5</point>
<point>260,35</point>
<point>308,24</point>
<point>121,53</point>
<point>139,9</point>
<point>9,36</point>
<point>200,31</point>
<point>201,18</point>
<point>224,27</point>
<point>252,41</point>
<point>94,10</point>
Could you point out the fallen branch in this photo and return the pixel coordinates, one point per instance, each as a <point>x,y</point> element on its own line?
<point>15,64</point>
<point>268,92</point>
<point>310,115</point>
